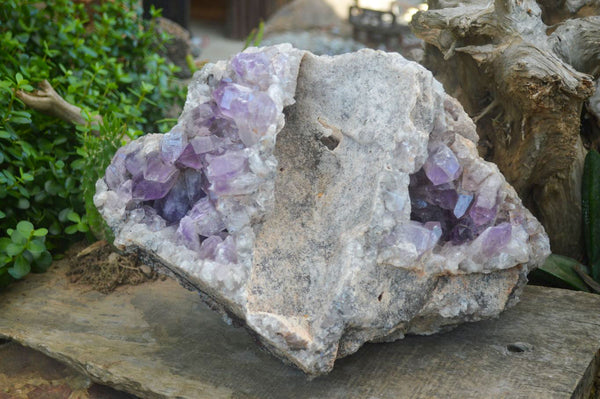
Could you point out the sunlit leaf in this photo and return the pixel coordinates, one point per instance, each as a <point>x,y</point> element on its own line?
<point>560,268</point>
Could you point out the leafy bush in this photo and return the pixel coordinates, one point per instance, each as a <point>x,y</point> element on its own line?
<point>23,251</point>
<point>103,61</point>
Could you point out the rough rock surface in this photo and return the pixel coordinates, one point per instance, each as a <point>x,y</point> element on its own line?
<point>362,215</point>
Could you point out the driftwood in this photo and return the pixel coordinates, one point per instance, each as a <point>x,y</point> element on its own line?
<point>524,84</point>
<point>48,101</point>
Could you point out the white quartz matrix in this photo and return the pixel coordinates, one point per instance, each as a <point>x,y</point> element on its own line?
<point>324,202</point>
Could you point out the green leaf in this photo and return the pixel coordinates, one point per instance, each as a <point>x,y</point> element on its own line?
<point>62,215</point>
<point>28,256</point>
<point>23,203</point>
<point>4,242</point>
<point>259,34</point>
<point>52,187</point>
<point>21,120</point>
<point>36,247</point>
<point>42,263</point>
<point>73,217</point>
<point>72,229</point>
<point>2,215</point>
<point>20,268</point>
<point>40,232</point>
<point>147,87</point>
<point>4,260</point>
<point>13,249</point>
<point>27,176</point>
<point>18,238</point>
<point>25,227</point>
<point>590,204</point>
<point>19,78</point>
<point>251,36</point>
<point>559,269</point>
<point>83,227</point>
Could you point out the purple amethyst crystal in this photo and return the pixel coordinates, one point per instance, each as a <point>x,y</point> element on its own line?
<point>207,153</point>
<point>186,192</point>
<point>253,68</point>
<point>462,204</point>
<point>463,231</point>
<point>482,215</point>
<point>202,116</point>
<point>202,221</point>
<point>208,248</point>
<point>442,166</point>
<point>173,144</point>
<point>422,236</point>
<point>495,238</point>
<point>252,111</point>
<point>443,195</point>
<point>156,181</point>
<point>232,99</point>
<point>437,196</point>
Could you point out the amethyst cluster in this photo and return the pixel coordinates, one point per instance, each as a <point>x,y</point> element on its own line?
<point>212,154</point>
<point>366,215</point>
<point>460,217</point>
<point>450,207</point>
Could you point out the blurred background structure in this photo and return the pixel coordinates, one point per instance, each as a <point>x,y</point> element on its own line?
<point>219,29</point>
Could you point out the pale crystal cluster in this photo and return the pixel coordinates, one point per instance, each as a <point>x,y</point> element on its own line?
<point>324,202</point>
<point>205,181</point>
<point>457,222</point>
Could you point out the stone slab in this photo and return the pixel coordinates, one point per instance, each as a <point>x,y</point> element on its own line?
<point>28,374</point>
<point>158,340</point>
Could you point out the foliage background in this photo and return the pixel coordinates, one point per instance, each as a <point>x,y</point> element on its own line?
<point>103,59</point>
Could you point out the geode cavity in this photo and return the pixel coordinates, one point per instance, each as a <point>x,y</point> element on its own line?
<point>325,202</point>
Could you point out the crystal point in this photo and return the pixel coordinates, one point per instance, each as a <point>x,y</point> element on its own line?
<point>442,165</point>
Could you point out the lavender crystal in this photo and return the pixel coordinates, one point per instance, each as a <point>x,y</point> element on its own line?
<point>437,195</point>
<point>441,165</point>
<point>203,163</point>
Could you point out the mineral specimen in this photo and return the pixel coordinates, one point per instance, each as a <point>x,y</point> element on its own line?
<point>368,216</point>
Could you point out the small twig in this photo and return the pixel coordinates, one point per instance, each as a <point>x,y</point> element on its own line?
<point>587,279</point>
<point>450,52</point>
<point>92,248</point>
<point>48,101</point>
<point>486,110</point>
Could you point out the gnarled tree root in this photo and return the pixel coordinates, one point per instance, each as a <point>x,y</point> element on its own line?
<point>524,83</point>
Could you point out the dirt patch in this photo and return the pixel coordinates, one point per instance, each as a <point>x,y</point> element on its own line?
<point>100,267</point>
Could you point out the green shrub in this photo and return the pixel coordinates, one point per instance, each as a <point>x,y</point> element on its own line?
<point>23,251</point>
<point>104,62</point>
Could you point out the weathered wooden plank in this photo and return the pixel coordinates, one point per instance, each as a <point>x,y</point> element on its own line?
<point>158,340</point>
